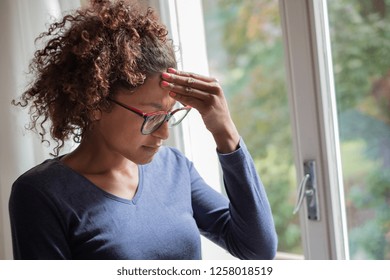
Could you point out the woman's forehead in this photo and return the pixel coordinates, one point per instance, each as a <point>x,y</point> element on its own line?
<point>149,94</point>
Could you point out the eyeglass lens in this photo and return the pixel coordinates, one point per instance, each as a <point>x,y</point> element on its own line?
<point>152,123</point>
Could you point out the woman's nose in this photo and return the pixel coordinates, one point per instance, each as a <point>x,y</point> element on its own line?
<point>162,132</point>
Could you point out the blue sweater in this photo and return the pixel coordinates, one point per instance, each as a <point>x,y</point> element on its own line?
<point>58,214</point>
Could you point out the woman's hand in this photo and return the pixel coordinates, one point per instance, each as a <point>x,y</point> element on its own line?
<point>206,95</point>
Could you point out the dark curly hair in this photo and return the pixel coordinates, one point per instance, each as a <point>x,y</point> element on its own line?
<point>88,55</point>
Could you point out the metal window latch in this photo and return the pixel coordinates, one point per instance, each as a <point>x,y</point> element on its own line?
<point>308,189</point>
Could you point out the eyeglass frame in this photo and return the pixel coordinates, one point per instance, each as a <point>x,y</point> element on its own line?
<point>145,116</point>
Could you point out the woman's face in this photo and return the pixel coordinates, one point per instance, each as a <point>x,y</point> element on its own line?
<point>120,129</point>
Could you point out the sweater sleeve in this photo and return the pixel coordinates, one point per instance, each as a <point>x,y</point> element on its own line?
<point>37,229</point>
<point>241,223</point>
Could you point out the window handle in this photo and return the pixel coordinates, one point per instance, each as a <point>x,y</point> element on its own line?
<point>308,189</point>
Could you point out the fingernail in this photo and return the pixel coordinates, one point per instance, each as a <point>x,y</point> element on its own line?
<point>172,70</point>
<point>165,84</point>
<point>172,94</point>
<point>165,75</point>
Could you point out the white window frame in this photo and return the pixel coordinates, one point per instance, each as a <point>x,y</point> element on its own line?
<point>314,123</point>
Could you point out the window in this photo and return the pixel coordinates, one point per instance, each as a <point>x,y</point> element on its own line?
<point>244,47</point>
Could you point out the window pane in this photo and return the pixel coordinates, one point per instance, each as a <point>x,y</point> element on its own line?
<point>245,52</point>
<point>360,40</point>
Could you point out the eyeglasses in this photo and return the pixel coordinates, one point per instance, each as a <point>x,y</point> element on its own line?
<point>153,120</point>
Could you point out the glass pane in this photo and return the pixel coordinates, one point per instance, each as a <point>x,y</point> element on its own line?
<point>245,52</point>
<point>361,50</point>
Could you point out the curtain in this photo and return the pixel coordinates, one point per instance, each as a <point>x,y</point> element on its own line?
<point>21,22</point>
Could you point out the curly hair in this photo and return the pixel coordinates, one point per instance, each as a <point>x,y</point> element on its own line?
<point>88,55</point>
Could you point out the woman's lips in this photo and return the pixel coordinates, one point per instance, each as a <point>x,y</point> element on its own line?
<point>152,148</point>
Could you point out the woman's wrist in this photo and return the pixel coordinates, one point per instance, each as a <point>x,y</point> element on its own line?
<point>228,141</point>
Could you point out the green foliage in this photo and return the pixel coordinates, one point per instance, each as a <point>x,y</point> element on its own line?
<point>368,189</point>
<point>361,47</point>
<point>360,248</point>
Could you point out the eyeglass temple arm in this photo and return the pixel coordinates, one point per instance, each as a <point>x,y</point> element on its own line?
<point>134,110</point>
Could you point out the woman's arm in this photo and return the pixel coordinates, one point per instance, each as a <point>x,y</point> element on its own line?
<point>243,223</point>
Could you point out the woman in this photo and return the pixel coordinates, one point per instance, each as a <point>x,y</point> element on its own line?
<point>107,77</point>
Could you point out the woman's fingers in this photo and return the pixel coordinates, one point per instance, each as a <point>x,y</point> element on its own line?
<point>190,83</point>
<point>189,75</point>
<point>201,92</point>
